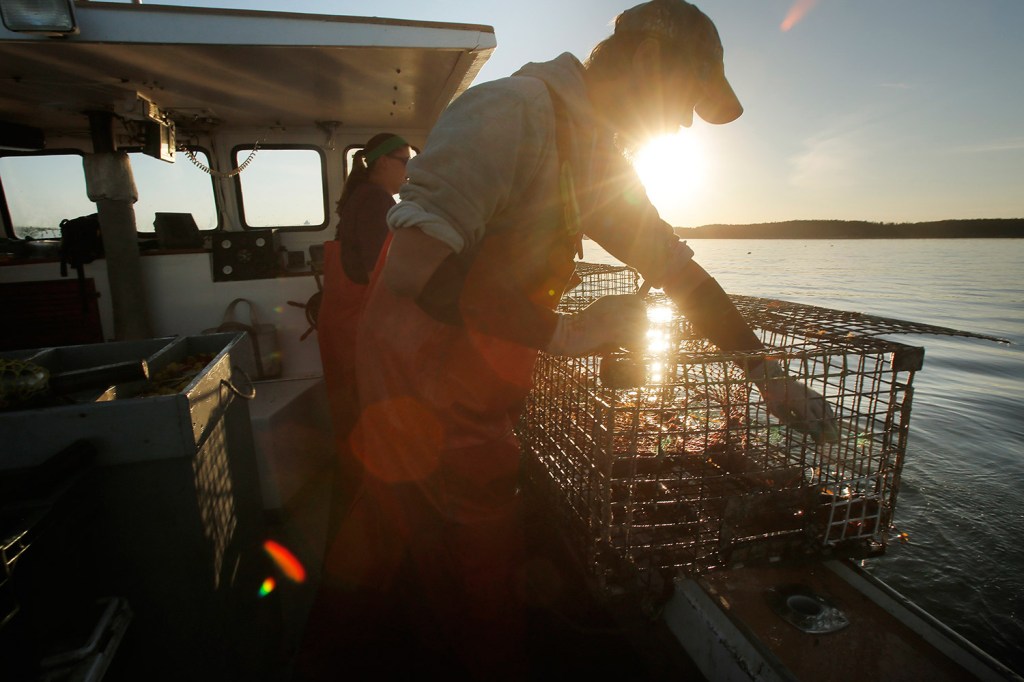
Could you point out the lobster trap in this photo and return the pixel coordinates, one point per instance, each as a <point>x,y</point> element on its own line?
<point>684,469</point>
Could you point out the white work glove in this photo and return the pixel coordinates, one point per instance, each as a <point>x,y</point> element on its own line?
<point>607,324</point>
<point>794,403</point>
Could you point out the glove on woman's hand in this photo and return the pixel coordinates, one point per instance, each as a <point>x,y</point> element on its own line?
<point>607,324</point>
<point>794,403</point>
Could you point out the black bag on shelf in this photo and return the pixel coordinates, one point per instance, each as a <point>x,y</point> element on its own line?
<point>80,242</point>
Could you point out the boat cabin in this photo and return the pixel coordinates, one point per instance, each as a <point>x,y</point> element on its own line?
<point>242,122</point>
<point>189,157</point>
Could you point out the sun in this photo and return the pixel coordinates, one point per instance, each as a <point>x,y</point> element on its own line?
<point>672,167</point>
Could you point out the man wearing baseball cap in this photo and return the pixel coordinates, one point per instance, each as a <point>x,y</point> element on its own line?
<point>515,172</point>
<point>687,33</point>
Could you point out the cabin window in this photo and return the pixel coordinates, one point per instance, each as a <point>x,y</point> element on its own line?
<point>283,187</point>
<point>350,159</point>
<point>41,190</point>
<point>178,187</point>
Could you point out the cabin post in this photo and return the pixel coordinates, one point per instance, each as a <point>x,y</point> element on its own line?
<point>110,184</point>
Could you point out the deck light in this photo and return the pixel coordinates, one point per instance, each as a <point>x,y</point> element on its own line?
<point>54,17</point>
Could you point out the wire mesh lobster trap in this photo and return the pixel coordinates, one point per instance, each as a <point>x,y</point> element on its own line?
<point>687,471</point>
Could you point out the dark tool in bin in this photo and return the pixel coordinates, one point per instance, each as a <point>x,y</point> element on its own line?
<point>22,383</point>
<point>99,377</point>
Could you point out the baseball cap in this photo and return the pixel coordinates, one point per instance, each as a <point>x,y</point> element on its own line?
<point>681,22</point>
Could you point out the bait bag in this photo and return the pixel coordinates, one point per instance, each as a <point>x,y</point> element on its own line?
<point>263,337</point>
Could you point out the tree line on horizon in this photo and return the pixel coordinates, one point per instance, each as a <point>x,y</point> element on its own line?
<point>861,229</point>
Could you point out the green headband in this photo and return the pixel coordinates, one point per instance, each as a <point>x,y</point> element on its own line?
<point>389,145</point>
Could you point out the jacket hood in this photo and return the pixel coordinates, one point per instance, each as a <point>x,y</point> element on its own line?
<point>564,75</point>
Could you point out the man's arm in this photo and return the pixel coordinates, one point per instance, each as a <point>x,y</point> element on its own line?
<point>714,316</point>
<point>708,308</point>
<point>412,259</point>
<point>485,146</point>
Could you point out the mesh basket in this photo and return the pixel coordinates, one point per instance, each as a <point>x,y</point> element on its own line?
<point>686,471</point>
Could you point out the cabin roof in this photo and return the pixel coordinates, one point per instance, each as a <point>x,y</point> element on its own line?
<point>241,68</point>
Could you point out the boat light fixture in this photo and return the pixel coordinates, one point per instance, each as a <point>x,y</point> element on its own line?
<point>52,17</point>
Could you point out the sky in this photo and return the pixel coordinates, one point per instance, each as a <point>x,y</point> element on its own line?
<point>879,110</point>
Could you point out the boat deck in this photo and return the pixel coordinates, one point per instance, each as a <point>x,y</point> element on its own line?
<point>570,632</point>
<point>875,645</point>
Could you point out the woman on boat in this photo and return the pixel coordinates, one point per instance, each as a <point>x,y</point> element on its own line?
<point>350,264</point>
<point>513,174</point>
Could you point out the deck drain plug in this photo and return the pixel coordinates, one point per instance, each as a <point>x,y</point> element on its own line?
<point>806,610</point>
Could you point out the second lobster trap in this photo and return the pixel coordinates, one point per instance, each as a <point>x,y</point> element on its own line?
<point>687,471</point>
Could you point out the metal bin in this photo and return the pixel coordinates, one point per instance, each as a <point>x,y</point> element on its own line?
<point>177,522</point>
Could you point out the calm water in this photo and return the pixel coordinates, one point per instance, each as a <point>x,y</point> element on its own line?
<point>963,480</point>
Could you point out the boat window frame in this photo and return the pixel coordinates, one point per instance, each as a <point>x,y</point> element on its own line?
<point>239,199</point>
<point>348,151</point>
<point>5,212</point>
<point>180,150</point>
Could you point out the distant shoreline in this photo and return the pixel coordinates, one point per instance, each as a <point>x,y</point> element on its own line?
<point>985,228</point>
<point>982,228</point>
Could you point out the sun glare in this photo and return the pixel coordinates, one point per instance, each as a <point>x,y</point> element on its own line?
<point>672,167</point>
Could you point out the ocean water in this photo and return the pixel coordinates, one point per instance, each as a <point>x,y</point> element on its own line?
<point>962,494</point>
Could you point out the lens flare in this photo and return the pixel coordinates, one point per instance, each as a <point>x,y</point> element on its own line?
<point>656,376</point>
<point>797,12</point>
<point>286,561</point>
<point>659,314</point>
<point>657,341</point>
<point>673,167</point>
<point>267,587</point>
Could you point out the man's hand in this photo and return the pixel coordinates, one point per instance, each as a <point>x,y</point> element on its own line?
<point>607,324</point>
<point>794,403</point>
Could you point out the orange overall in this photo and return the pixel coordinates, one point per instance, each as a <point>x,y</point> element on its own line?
<point>437,515</point>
